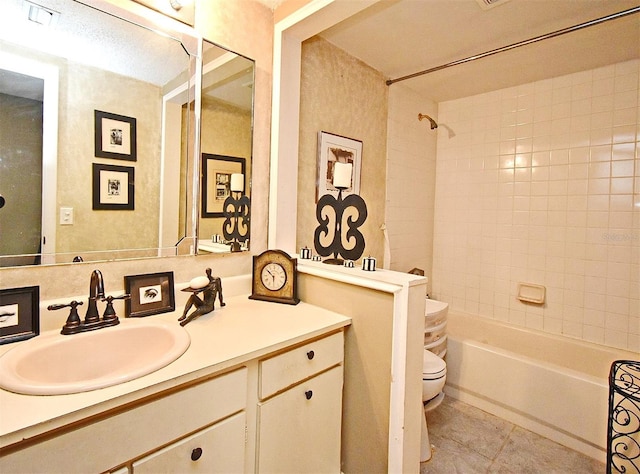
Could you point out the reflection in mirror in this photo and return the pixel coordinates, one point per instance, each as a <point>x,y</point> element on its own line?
<point>226,148</point>
<point>82,61</point>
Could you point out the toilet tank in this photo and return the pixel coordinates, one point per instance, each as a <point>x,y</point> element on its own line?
<point>435,326</point>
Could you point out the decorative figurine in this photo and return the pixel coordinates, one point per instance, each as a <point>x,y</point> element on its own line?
<point>211,287</point>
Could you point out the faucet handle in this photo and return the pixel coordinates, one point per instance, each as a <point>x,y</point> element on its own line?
<point>110,312</point>
<point>73,321</point>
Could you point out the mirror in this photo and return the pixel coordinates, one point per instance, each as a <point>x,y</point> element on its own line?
<point>100,85</point>
<point>226,148</point>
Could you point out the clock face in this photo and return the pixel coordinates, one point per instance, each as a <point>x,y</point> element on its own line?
<point>273,276</point>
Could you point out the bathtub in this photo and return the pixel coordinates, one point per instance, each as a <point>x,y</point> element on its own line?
<point>552,385</point>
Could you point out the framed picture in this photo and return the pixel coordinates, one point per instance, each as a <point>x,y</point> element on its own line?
<point>115,136</point>
<point>216,181</point>
<point>334,148</point>
<point>19,314</point>
<point>151,293</point>
<point>113,187</point>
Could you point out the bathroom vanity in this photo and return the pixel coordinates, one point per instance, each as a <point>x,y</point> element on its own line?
<point>258,390</point>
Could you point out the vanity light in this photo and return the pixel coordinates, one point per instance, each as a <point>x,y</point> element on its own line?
<point>40,15</point>
<point>181,10</point>
<point>178,4</point>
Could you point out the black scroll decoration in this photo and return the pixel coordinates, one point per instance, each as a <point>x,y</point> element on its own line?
<point>237,214</point>
<point>350,245</point>
<point>623,434</point>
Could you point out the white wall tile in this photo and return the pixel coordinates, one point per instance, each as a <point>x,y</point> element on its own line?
<point>544,190</point>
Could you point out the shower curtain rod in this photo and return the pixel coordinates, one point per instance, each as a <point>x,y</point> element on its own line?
<point>517,45</point>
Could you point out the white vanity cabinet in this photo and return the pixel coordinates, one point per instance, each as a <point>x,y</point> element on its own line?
<point>235,402</point>
<point>300,409</point>
<point>129,432</point>
<point>218,449</point>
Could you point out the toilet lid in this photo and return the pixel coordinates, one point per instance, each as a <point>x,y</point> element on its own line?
<point>433,366</point>
<point>434,306</point>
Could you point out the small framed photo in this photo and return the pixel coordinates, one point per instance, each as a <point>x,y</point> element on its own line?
<point>113,187</point>
<point>216,181</point>
<point>151,293</point>
<point>115,136</point>
<point>334,149</point>
<point>19,314</point>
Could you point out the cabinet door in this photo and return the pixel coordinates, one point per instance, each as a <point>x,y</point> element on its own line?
<point>299,429</point>
<point>217,449</point>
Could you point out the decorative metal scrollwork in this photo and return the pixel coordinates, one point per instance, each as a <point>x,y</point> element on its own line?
<point>349,213</point>
<point>623,436</point>
<point>237,213</point>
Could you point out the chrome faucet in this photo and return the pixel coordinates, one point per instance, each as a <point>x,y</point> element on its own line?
<point>92,319</point>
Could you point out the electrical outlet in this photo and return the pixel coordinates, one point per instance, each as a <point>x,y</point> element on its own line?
<point>66,215</point>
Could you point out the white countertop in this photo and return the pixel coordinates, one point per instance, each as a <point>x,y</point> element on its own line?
<point>383,280</point>
<point>242,330</point>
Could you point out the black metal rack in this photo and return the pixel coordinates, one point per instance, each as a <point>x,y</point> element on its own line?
<point>623,433</point>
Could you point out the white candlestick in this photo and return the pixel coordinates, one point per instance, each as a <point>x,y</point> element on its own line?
<point>342,174</point>
<point>237,182</point>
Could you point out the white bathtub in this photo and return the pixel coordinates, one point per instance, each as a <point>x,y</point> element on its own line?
<point>552,385</point>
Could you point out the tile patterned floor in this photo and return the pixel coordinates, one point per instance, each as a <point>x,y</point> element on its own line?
<point>470,441</point>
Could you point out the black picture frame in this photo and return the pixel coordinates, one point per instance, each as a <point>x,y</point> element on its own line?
<point>19,314</point>
<point>215,190</point>
<point>113,187</point>
<point>151,293</point>
<point>115,136</point>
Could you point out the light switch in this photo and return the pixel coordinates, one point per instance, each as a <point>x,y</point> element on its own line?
<point>66,215</point>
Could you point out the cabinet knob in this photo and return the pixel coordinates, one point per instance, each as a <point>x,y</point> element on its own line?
<point>308,394</point>
<point>311,355</point>
<point>196,454</point>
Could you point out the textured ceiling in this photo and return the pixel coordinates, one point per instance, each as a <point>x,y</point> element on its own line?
<point>88,36</point>
<point>401,37</point>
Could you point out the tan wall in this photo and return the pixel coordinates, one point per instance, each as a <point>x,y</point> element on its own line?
<point>226,130</point>
<point>99,229</point>
<point>341,95</point>
<point>246,27</point>
<point>367,372</point>
<point>21,152</point>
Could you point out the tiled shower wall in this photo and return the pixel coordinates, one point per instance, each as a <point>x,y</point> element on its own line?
<point>541,183</point>
<point>411,164</point>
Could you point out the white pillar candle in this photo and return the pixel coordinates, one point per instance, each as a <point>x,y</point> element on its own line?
<point>237,182</point>
<point>342,174</point>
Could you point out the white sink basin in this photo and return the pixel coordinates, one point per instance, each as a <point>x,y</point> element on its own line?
<point>53,364</point>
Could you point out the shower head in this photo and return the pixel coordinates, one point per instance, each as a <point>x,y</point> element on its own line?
<point>433,122</point>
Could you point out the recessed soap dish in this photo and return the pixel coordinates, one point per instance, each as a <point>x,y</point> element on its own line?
<point>531,293</point>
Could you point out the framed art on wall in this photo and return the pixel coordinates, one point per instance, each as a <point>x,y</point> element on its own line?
<point>216,181</point>
<point>332,149</point>
<point>115,136</point>
<point>151,293</point>
<point>19,314</point>
<point>113,187</point>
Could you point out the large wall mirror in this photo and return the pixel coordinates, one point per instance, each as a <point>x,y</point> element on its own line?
<point>98,134</point>
<point>226,148</point>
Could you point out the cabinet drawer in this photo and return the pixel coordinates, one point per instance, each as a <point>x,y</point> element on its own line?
<point>135,431</point>
<point>217,449</point>
<point>284,370</point>
<point>299,429</point>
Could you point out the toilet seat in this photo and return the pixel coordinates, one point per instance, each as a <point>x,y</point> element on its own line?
<point>433,367</point>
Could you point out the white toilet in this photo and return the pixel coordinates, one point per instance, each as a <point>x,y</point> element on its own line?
<point>434,368</point>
